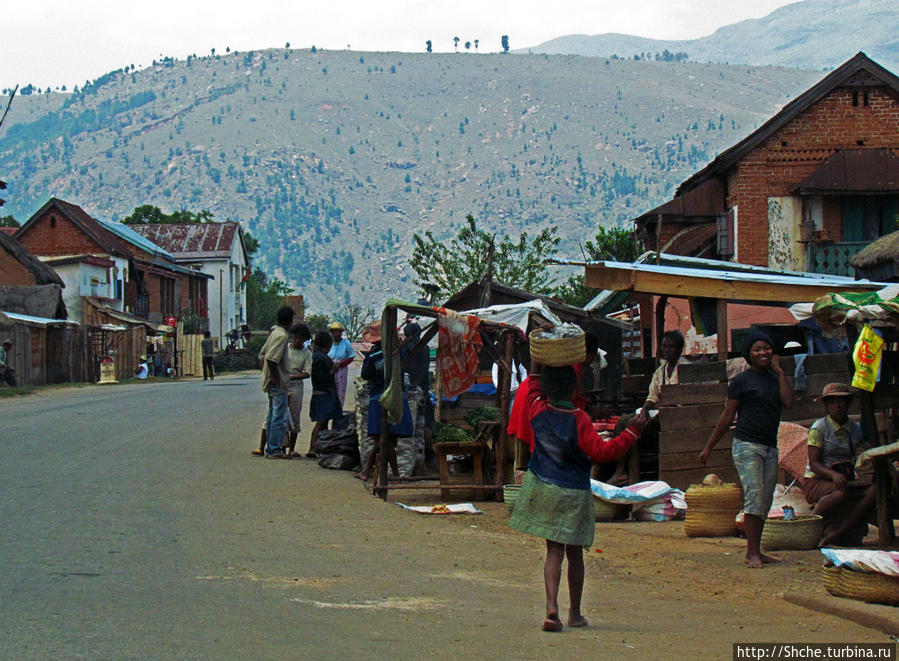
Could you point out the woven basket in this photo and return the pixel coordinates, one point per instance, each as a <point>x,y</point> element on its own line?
<point>830,576</point>
<point>510,495</point>
<point>712,510</point>
<point>606,511</point>
<point>799,534</point>
<point>557,351</point>
<point>869,587</point>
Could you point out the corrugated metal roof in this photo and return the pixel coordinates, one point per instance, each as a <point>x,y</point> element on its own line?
<point>854,171</point>
<point>132,237</point>
<point>193,240</point>
<point>40,321</point>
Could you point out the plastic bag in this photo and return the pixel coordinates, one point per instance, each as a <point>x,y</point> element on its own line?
<point>866,356</point>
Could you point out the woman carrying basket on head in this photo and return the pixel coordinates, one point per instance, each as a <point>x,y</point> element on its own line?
<point>555,501</point>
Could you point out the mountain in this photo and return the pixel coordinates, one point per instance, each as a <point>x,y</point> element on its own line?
<point>334,159</point>
<point>814,34</point>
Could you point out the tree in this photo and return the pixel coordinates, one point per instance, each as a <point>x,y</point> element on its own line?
<point>428,45</point>
<point>8,221</point>
<point>504,42</point>
<point>317,322</point>
<point>354,320</point>
<point>147,214</point>
<point>610,244</point>
<point>476,42</point>
<point>456,44</point>
<point>467,45</point>
<point>474,253</point>
<point>264,296</point>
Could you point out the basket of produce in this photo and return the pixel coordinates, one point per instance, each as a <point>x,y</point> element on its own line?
<point>510,495</point>
<point>563,345</point>
<point>712,508</point>
<point>830,576</point>
<point>799,534</point>
<point>869,587</point>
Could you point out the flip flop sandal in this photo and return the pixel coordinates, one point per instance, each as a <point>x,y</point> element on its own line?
<point>552,623</point>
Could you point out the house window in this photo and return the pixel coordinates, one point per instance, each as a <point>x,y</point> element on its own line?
<point>167,296</point>
<point>52,221</point>
<point>726,234</point>
<point>868,217</point>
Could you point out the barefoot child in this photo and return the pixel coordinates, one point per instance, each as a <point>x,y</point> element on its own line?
<point>555,501</point>
<point>758,394</point>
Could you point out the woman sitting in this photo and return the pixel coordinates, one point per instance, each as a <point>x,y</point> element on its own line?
<point>830,484</point>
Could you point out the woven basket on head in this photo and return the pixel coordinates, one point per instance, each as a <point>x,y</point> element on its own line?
<point>830,576</point>
<point>799,534</point>
<point>712,510</point>
<point>869,587</point>
<point>557,351</point>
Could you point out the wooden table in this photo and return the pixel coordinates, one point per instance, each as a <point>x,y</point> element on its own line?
<point>880,458</point>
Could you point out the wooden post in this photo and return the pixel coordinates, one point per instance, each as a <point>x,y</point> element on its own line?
<point>661,304</point>
<point>723,330</point>
<point>391,353</point>
<point>505,386</point>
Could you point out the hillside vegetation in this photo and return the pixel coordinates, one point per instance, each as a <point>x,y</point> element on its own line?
<point>334,159</point>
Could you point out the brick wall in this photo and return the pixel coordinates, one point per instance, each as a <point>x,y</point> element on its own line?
<point>797,150</point>
<point>54,234</point>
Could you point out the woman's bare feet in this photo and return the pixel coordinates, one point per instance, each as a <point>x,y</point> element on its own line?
<point>361,476</point>
<point>757,562</point>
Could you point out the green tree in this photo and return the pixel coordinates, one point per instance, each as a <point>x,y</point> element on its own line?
<point>8,221</point>
<point>264,296</point>
<point>149,214</point>
<point>428,45</point>
<point>456,44</point>
<point>504,42</point>
<point>473,253</point>
<point>317,322</point>
<point>616,244</point>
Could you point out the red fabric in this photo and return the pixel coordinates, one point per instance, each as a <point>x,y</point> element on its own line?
<point>458,345</point>
<point>519,418</point>
<point>590,443</point>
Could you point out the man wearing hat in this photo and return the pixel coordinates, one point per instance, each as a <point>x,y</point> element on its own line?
<point>142,371</point>
<point>7,373</point>
<point>342,354</point>
<point>830,484</point>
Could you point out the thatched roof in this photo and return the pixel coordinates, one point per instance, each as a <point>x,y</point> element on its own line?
<point>883,250</point>
<point>43,274</point>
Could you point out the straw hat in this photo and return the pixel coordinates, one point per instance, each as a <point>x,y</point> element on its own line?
<point>836,390</point>
<point>335,325</point>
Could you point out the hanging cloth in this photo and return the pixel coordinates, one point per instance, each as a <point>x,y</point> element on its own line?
<point>458,346</point>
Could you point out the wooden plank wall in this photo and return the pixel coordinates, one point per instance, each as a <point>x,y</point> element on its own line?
<point>191,353</point>
<point>689,411</point>
<point>467,402</point>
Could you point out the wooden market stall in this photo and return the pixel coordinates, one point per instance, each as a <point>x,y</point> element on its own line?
<point>688,412</point>
<point>499,341</point>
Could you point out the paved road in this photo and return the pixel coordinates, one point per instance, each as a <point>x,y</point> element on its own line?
<point>134,524</point>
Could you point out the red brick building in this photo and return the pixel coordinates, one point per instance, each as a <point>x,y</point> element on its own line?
<point>806,191</point>
<point>111,262</point>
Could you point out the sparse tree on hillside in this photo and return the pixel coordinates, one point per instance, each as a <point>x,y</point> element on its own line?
<point>354,320</point>
<point>467,45</point>
<point>476,42</point>
<point>456,44</point>
<point>451,265</point>
<point>317,322</point>
<point>149,214</point>
<point>428,45</point>
<point>287,45</point>
<point>504,42</point>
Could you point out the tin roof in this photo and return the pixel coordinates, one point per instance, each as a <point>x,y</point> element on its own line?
<point>193,240</point>
<point>854,171</point>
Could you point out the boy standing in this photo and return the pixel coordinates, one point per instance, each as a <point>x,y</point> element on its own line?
<point>275,379</point>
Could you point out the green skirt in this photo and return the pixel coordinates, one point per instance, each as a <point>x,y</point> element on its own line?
<point>555,513</point>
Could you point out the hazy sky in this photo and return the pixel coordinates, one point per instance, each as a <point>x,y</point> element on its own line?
<point>56,42</point>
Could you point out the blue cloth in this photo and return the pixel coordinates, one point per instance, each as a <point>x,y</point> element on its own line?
<point>800,379</point>
<point>756,465</point>
<point>342,350</point>
<point>758,415</point>
<point>557,457</point>
<point>404,429</point>
<point>325,406</point>
<point>277,421</point>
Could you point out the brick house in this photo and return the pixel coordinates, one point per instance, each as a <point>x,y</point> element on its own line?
<point>110,262</point>
<point>217,249</point>
<point>806,191</point>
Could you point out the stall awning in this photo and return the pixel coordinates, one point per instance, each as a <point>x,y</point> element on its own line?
<point>748,287</point>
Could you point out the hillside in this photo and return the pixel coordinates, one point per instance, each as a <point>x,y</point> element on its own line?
<point>334,159</point>
<point>813,34</point>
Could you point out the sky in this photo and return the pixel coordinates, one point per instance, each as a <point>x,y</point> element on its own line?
<point>50,43</point>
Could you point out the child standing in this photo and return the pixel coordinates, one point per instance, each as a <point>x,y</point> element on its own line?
<point>555,501</point>
<point>324,406</point>
<point>757,395</point>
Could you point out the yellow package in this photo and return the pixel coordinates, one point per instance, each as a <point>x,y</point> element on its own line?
<point>866,356</point>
